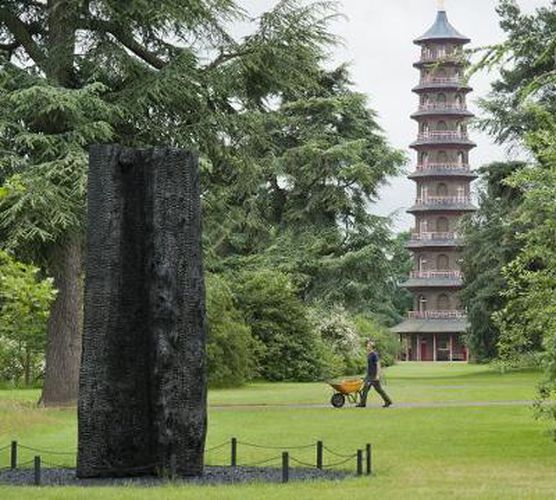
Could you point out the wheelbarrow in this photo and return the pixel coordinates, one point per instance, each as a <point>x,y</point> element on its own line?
<point>346,389</point>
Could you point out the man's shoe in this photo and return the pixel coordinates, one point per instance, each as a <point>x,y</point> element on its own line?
<point>386,405</point>
<point>360,406</point>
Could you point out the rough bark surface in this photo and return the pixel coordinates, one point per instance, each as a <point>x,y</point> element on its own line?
<point>142,394</point>
<point>63,348</point>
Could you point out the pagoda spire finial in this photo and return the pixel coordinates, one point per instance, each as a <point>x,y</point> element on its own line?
<point>441,5</point>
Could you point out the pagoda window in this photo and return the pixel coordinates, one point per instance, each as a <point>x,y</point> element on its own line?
<point>442,263</point>
<point>422,263</point>
<point>422,303</point>
<point>442,225</point>
<point>425,127</point>
<point>442,157</point>
<point>443,302</point>
<point>423,158</point>
<point>461,158</point>
<point>441,98</point>
<point>442,126</point>
<point>459,100</point>
<point>441,189</point>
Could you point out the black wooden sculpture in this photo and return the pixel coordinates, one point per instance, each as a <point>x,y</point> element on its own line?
<point>142,394</point>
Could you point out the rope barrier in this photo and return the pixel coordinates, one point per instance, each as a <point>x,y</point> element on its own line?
<point>49,452</point>
<point>217,447</point>
<point>261,462</point>
<point>300,462</point>
<point>341,455</point>
<point>335,464</point>
<point>59,466</point>
<point>253,445</point>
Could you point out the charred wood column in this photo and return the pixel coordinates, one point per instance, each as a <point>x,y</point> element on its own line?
<point>142,393</point>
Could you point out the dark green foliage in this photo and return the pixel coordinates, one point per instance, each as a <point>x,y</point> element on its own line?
<point>279,321</point>
<point>527,64</point>
<point>232,352</point>
<point>490,245</point>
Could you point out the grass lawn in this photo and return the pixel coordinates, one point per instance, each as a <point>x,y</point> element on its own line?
<point>460,452</point>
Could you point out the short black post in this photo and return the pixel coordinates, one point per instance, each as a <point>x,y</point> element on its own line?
<point>285,467</point>
<point>319,454</point>
<point>234,452</point>
<point>368,457</point>
<point>359,462</point>
<point>37,471</point>
<point>13,456</point>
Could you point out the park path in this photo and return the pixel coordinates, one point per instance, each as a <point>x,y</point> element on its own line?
<point>427,404</point>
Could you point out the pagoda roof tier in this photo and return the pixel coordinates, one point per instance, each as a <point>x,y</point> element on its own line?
<point>442,31</point>
<point>426,140</point>
<point>442,84</point>
<point>432,244</point>
<point>447,111</point>
<point>422,283</point>
<point>432,326</point>
<point>461,173</point>
<point>441,62</point>
<point>453,207</point>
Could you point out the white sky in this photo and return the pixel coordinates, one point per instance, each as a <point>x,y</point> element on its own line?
<point>377,37</point>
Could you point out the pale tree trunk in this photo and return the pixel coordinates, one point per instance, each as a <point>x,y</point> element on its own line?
<point>63,349</point>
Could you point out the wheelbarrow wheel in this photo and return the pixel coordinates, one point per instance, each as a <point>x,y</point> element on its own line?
<point>337,400</point>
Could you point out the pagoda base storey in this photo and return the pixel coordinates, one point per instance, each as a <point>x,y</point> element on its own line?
<point>432,347</point>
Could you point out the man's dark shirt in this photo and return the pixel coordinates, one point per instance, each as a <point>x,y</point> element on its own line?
<point>372,365</point>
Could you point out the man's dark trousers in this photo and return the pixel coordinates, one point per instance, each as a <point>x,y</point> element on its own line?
<point>378,388</point>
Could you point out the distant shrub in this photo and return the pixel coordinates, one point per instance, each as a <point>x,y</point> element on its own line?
<point>279,320</point>
<point>386,342</point>
<point>341,338</point>
<point>231,349</point>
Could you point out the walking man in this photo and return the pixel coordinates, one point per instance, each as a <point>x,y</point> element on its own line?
<point>372,379</point>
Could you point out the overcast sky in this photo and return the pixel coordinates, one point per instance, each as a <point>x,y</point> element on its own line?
<point>378,37</point>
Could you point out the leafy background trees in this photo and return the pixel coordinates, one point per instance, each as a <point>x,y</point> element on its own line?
<point>518,244</point>
<point>25,300</point>
<point>291,160</point>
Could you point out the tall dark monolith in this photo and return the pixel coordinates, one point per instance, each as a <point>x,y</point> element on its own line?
<point>142,393</point>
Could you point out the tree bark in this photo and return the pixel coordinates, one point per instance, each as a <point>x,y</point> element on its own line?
<point>63,349</point>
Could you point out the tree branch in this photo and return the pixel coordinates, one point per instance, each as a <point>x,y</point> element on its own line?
<point>20,31</point>
<point>124,38</point>
<point>225,57</point>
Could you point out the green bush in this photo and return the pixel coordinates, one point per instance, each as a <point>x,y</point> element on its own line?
<point>386,342</point>
<point>24,308</point>
<point>339,334</point>
<point>231,349</point>
<point>279,320</point>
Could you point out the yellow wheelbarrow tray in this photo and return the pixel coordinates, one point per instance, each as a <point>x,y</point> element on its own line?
<point>346,389</point>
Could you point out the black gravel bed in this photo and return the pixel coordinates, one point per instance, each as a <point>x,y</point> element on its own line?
<point>213,475</point>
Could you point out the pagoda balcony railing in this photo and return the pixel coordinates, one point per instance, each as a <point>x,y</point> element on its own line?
<point>434,236</point>
<point>442,135</point>
<point>457,80</point>
<point>443,200</point>
<point>436,315</point>
<point>432,106</point>
<point>423,167</point>
<point>442,57</point>
<point>448,275</point>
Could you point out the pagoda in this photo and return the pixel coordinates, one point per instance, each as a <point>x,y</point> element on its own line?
<point>433,330</point>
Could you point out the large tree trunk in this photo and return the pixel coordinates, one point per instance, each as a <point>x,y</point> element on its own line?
<point>63,349</point>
